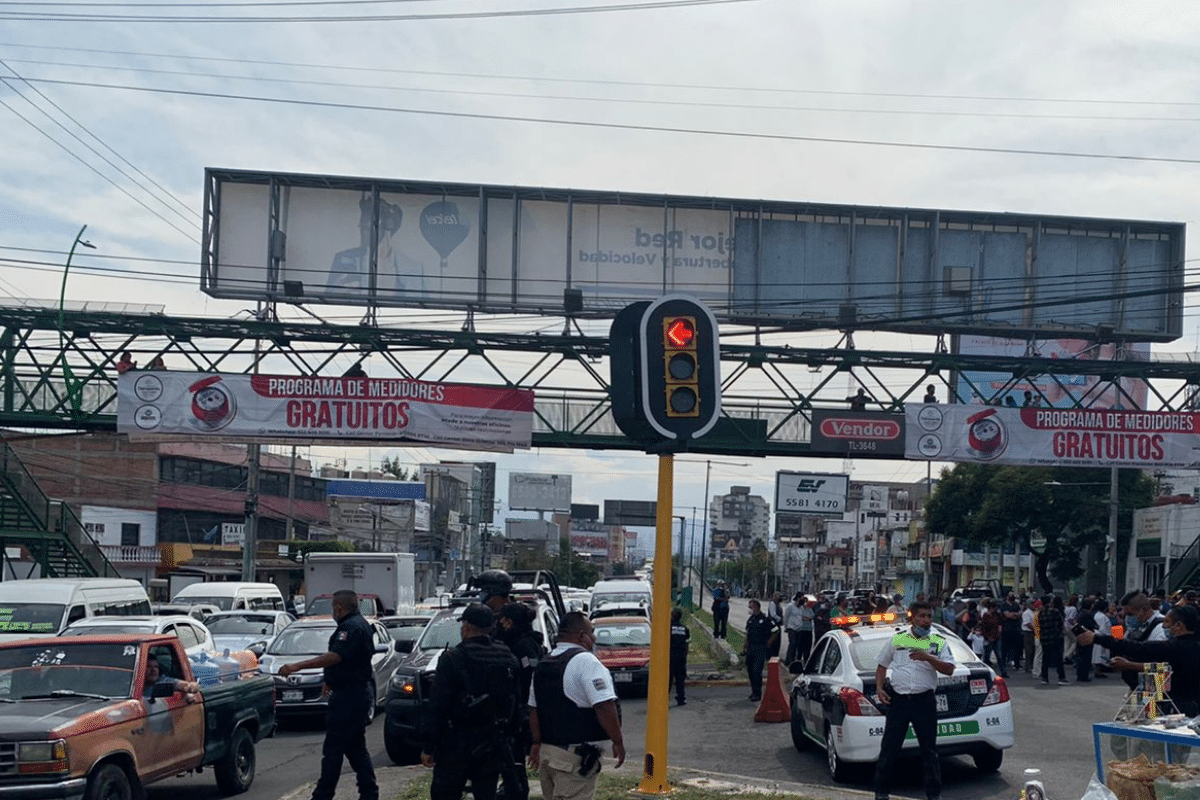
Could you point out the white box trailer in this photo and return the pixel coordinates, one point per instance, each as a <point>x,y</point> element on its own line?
<point>385,582</point>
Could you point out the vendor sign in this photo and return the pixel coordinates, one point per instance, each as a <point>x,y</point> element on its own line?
<point>317,409</point>
<point>1053,436</point>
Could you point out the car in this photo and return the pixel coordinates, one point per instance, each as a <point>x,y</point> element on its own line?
<point>834,704</point>
<point>619,609</point>
<point>246,630</point>
<point>191,632</point>
<point>623,645</point>
<point>409,694</point>
<point>406,629</point>
<point>301,692</point>
<point>198,610</point>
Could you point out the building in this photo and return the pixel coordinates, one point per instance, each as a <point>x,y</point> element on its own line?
<point>736,522</point>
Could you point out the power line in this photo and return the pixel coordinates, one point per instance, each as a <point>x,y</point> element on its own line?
<point>751,135</point>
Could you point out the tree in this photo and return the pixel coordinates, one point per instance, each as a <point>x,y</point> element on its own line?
<point>994,504</point>
<point>391,466</point>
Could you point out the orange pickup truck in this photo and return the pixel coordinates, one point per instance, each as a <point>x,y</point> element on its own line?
<point>84,717</point>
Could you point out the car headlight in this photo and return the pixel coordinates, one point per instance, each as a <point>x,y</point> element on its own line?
<point>405,685</point>
<point>42,757</point>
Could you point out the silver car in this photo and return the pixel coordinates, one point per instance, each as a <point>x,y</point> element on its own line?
<point>246,630</point>
<point>301,692</point>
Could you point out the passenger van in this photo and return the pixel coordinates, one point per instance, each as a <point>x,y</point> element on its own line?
<point>623,592</point>
<point>44,606</point>
<point>232,595</point>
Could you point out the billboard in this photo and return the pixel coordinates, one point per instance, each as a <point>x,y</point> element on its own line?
<point>810,493</point>
<point>504,249</point>
<point>857,433</point>
<point>1080,437</point>
<point>639,513</point>
<point>322,410</point>
<point>533,491</point>
<point>1064,391</point>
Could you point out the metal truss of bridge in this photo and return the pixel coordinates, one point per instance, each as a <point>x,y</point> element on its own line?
<point>59,371</point>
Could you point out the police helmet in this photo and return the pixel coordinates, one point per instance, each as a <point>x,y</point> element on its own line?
<point>492,583</point>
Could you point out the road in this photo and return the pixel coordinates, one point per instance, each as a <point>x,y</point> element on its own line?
<point>716,732</point>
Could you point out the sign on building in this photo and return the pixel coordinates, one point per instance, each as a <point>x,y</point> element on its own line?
<point>233,533</point>
<point>875,500</point>
<point>810,493</point>
<point>534,491</point>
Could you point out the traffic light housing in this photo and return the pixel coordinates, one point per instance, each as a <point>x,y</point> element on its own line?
<point>665,360</point>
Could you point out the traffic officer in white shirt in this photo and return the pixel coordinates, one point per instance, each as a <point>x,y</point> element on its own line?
<point>573,714</point>
<point>916,656</point>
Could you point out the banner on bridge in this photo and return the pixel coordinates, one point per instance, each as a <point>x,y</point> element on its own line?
<point>321,410</point>
<point>1053,436</point>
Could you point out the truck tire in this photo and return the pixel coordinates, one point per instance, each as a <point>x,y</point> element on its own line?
<point>235,769</point>
<point>109,783</point>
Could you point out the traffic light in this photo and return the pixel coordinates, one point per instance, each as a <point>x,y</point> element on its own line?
<point>665,358</point>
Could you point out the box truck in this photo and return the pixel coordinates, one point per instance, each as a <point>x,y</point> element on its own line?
<point>385,582</point>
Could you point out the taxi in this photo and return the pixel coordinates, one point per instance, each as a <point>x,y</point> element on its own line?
<point>835,707</point>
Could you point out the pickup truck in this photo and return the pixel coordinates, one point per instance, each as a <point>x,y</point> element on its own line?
<point>979,588</point>
<point>80,719</point>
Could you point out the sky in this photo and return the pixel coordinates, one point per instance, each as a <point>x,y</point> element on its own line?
<point>1059,107</point>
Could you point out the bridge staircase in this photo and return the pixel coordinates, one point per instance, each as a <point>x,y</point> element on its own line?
<point>47,530</point>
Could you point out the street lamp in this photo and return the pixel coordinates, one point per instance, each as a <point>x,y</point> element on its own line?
<point>68,378</point>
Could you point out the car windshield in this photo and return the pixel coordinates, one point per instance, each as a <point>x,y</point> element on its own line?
<point>295,641</point>
<point>865,652</point>
<point>223,603</point>
<point>67,668</point>
<point>323,607</point>
<point>253,626</point>
<point>444,632</point>
<point>631,635</point>
<point>30,617</point>
<point>632,598</point>
<point>98,630</point>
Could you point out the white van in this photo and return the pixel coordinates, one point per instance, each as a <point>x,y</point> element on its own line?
<point>232,595</point>
<point>44,606</point>
<point>622,592</point>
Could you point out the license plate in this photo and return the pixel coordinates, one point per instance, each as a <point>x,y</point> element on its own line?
<point>968,727</point>
<point>978,686</point>
<point>943,703</point>
<point>293,695</point>
<point>623,677</point>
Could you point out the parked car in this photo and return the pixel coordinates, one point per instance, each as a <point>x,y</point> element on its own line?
<point>623,645</point>
<point>84,723</point>
<point>300,692</point>
<point>835,705</point>
<point>191,631</point>
<point>406,629</point>
<point>197,610</point>
<point>246,630</point>
<point>619,609</point>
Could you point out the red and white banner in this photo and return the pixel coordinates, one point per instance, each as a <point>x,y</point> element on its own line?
<point>316,409</point>
<point>1053,436</point>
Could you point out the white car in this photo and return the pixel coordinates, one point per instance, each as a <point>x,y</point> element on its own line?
<point>834,704</point>
<point>246,630</point>
<point>191,632</point>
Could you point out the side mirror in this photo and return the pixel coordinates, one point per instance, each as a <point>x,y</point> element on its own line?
<point>163,689</point>
<point>383,647</point>
<point>405,647</point>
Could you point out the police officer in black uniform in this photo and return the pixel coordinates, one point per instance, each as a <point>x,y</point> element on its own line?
<point>472,712</point>
<point>759,628</point>
<point>514,627</point>
<point>681,638</point>
<point>495,588</point>
<point>347,679</point>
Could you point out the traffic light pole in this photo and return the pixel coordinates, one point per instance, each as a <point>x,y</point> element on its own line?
<point>654,770</point>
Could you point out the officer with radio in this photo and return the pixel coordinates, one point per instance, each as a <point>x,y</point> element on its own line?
<point>473,711</point>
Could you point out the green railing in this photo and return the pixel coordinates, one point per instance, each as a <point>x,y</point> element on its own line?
<point>25,489</point>
<point>79,542</point>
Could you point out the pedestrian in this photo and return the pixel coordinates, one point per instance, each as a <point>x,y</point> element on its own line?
<point>758,637</point>
<point>125,363</point>
<point>897,606</point>
<point>916,658</point>
<point>681,638</point>
<point>1181,651</point>
<point>1143,623</point>
<point>495,588</point>
<point>157,364</point>
<point>1010,633</point>
<point>774,612</point>
<point>989,626</point>
<point>514,627</point>
<point>720,609</point>
<point>1028,635</point>
<point>930,395</point>
<point>1103,628</point>
<point>573,713</point>
<point>1083,653</point>
<point>858,400</point>
<point>1050,633</point>
<point>968,620</point>
<point>472,711</point>
<point>798,622</point>
<point>348,674</point>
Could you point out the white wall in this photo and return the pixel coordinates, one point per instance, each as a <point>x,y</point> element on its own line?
<point>104,523</point>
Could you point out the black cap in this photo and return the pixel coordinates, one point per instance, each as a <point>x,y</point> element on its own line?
<point>479,615</point>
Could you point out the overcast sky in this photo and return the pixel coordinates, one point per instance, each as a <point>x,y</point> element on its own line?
<point>899,103</point>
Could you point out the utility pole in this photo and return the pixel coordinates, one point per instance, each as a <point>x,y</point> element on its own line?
<point>1113,504</point>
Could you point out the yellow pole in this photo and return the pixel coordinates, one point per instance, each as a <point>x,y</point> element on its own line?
<point>654,770</point>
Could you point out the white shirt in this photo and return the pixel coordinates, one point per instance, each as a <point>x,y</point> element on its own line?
<point>1027,619</point>
<point>586,682</point>
<point>797,618</point>
<point>908,676</point>
<point>1159,634</point>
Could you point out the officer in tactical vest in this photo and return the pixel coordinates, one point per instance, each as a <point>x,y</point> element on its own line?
<point>917,656</point>
<point>473,711</point>
<point>495,588</point>
<point>514,627</point>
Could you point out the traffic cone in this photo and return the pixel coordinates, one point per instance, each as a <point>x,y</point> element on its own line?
<point>774,706</point>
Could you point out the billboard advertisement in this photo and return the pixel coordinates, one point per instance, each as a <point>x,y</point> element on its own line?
<point>321,410</point>
<point>506,249</point>
<point>1061,391</point>
<point>810,493</point>
<point>534,491</point>
<point>857,433</point>
<point>1054,437</point>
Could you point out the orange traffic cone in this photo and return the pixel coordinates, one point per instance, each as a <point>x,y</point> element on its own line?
<point>774,706</point>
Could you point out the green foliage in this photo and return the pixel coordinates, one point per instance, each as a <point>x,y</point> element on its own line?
<point>391,466</point>
<point>569,567</point>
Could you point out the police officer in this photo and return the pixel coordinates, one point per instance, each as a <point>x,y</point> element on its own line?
<point>758,638</point>
<point>573,714</point>
<point>495,588</point>
<point>472,711</point>
<point>514,627</point>
<point>916,656</point>
<point>348,675</point>
<point>681,638</point>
